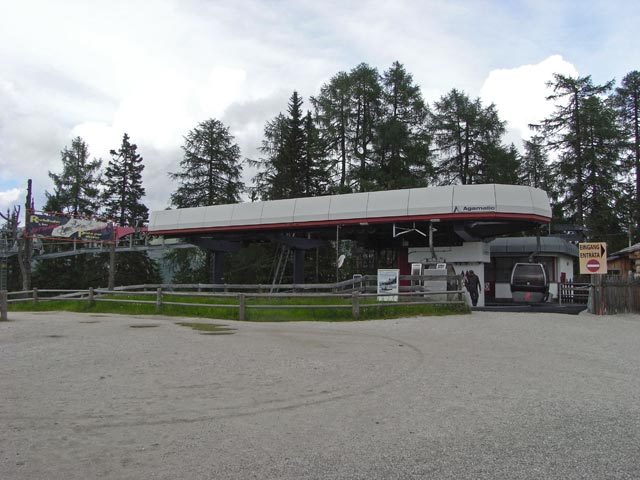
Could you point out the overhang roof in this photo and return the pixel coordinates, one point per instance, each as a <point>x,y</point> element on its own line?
<point>490,202</point>
<point>625,252</point>
<point>519,246</point>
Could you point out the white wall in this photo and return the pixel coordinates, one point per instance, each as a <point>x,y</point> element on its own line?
<point>469,256</point>
<point>467,252</point>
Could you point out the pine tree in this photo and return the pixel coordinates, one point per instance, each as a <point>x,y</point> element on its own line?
<point>123,190</point>
<point>314,165</point>
<point>210,169</point>
<point>565,133</point>
<point>76,192</point>
<point>333,114</point>
<point>271,149</point>
<point>75,189</point>
<point>289,183</point>
<point>602,149</point>
<point>402,143</point>
<point>365,100</point>
<point>501,164</point>
<point>466,134</point>
<point>291,165</point>
<point>627,104</point>
<point>534,169</point>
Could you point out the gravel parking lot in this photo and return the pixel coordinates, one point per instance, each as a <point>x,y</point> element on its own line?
<point>481,396</point>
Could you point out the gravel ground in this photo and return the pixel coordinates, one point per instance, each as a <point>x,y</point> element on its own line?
<point>480,396</point>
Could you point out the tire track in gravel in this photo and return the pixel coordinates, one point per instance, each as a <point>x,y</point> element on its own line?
<point>88,423</point>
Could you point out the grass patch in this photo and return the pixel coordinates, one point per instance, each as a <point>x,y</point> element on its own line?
<point>285,314</point>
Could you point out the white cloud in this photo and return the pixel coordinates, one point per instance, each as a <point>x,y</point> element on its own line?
<point>9,198</point>
<point>157,69</point>
<point>519,93</point>
<point>223,87</point>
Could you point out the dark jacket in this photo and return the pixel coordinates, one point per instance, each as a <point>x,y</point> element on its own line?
<point>473,283</point>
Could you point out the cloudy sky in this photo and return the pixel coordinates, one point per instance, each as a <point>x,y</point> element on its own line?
<point>155,68</point>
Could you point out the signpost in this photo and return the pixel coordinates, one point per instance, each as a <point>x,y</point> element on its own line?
<point>593,261</point>
<point>593,258</point>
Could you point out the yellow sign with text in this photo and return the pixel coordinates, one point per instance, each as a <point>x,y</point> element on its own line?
<point>593,258</point>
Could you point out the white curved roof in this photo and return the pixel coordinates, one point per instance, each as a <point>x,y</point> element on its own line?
<point>452,202</point>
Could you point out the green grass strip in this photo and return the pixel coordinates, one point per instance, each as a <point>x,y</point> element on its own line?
<point>284,314</point>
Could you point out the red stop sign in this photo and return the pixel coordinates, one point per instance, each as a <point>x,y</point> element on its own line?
<point>593,265</point>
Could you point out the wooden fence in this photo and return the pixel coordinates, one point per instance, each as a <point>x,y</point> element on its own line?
<point>614,294</point>
<point>414,293</point>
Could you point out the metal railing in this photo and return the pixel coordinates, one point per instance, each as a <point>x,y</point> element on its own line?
<point>573,293</point>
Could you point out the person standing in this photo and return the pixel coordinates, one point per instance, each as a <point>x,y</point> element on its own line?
<point>473,286</point>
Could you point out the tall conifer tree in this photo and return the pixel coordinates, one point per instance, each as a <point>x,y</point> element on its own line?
<point>123,190</point>
<point>210,169</point>
<point>402,143</point>
<point>627,103</point>
<point>565,133</point>
<point>466,135</point>
<point>75,189</point>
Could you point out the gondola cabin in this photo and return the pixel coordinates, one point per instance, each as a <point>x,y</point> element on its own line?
<point>529,283</point>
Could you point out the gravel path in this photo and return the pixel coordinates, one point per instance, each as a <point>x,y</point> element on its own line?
<point>480,396</point>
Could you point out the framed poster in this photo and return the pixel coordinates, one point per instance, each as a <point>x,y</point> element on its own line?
<point>388,283</point>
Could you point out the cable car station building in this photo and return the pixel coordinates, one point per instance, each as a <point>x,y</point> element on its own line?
<point>450,224</point>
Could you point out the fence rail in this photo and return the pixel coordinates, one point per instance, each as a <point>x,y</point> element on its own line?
<point>414,293</point>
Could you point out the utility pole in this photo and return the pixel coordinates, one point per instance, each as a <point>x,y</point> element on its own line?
<point>3,279</point>
<point>28,242</point>
<point>112,260</point>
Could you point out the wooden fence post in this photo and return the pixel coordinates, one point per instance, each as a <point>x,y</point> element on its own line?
<point>355,304</point>
<point>35,295</point>
<point>4,300</point>
<point>561,292</point>
<point>91,299</point>
<point>242,307</point>
<point>158,299</point>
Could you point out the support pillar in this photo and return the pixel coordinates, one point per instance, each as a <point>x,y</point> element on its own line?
<point>298,266</point>
<point>217,248</point>
<point>4,300</point>
<point>402,263</point>
<point>217,267</point>
<point>298,246</point>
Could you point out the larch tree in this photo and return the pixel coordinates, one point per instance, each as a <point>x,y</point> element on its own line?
<point>365,93</point>
<point>534,169</point>
<point>403,142</point>
<point>466,134</point>
<point>565,134</point>
<point>210,170</point>
<point>332,115</point>
<point>627,103</point>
